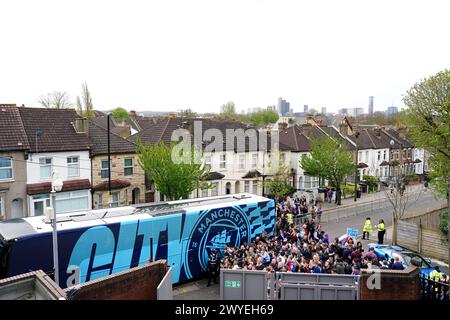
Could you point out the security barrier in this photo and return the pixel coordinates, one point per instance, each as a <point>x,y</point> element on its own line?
<point>261,285</point>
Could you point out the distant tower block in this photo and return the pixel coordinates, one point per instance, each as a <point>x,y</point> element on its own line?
<point>305,108</point>
<point>323,110</point>
<point>370,105</point>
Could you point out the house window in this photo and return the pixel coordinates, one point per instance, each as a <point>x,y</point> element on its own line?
<point>204,193</point>
<point>2,204</point>
<point>208,162</point>
<point>214,189</point>
<point>242,161</point>
<point>128,167</point>
<point>115,199</point>
<point>247,186</point>
<point>384,155</point>
<point>254,160</point>
<point>379,155</point>
<point>72,201</point>
<point>45,167</point>
<point>223,161</point>
<point>6,171</point>
<point>367,156</point>
<point>282,157</point>
<point>255,187</point>
<point>39,203</point>
<point>73,167</point>
<point>100,201</point>
<point>105,169</point>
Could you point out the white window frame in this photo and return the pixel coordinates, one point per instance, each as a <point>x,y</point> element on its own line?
<point>255,187</point>
<point>125,167</point>
<point>41,165</point>
<point>204,193</point>
<point>223,161</point>
<point>72,195</point>
<point>247,186</point>
<point>208,162</point>
<point>8,168</point>
<point>118,199</point>
<point>43,198</point>
<point>254,160</point>
<point>100,200</point>
<point>2,204</point>
<point>242,162</point>
<point>104,169</point>
<point>73,165</point>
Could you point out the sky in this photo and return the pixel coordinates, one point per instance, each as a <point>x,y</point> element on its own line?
<point>170,55</point>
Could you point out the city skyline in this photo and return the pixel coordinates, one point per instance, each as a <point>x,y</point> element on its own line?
<point>200,54</point>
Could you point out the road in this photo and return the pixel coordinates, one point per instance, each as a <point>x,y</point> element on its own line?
<point>356,215</point>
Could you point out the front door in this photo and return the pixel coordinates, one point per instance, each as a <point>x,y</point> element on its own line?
<point>17,208</point>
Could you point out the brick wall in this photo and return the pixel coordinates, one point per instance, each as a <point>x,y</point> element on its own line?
<point>138,283</point>
<point>395,285</point>
<point>137,179</point>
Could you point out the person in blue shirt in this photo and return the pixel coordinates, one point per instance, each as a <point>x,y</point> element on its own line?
<point>397,265</point>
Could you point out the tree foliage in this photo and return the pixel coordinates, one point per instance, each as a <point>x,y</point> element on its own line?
<point>328,159</point>
<point>429,124</point>
<point>261,118</point>
<point>120,113</point>
<point>172,179</point>
<point>85,106</point>
<point>279,184</point>
<point>187,113</point>
<point>228,111</point>
<point>55,100</point>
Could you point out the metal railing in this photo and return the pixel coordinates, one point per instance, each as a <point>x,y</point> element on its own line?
<point>433,290</point>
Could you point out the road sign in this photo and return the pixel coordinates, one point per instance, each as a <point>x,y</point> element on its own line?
<point>352,232</point>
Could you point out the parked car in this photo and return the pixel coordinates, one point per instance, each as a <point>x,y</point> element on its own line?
<point>406,256</point>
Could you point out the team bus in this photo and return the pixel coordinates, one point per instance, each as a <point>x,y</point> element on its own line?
<point>96,243</point>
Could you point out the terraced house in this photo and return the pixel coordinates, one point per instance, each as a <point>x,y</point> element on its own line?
<point>13,169</point>
<point>127,176</point>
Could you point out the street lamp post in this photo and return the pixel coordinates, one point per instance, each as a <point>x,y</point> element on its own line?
<point>57,185</point>
<point>356,165</point>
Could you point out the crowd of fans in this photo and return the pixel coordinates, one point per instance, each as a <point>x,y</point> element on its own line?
<point>303,247</point>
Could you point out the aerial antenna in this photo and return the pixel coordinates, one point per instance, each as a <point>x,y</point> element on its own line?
<point>104,215</point>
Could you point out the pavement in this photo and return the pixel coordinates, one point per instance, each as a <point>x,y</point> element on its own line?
<point>197,290</point>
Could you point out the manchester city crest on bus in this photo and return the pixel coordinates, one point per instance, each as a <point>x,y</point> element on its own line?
<point>214,230</point>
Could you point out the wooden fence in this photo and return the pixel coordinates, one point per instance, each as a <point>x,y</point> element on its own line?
<point>427,241</point>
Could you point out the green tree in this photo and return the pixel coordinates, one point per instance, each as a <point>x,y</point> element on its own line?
<point>187,113</point>
<point>228,111</point>
<point>328,159</point>
<point>120,113</point>
<point>429,126</point>
<point>85,102</point>
<point>262,118</point>
<point>279,184</point>
<point>173,179</point>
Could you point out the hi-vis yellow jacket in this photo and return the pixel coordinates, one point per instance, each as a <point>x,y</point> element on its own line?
<point>367,226</point>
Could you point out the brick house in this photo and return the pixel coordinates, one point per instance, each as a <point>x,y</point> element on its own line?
<point>13,169</point>
<point>127,176</point>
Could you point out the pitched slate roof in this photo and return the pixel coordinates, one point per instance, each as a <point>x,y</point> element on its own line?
<point>57,133</point>
<point>115,184</point>
<point>69,185</point>
<point>294,139</point>
<point>98,138</point>
<point>161,129</point>
<point>12,132</point>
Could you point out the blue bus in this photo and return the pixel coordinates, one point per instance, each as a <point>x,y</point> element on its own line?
<point>97,243</point>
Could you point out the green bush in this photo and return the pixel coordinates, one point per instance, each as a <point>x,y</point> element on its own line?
<point>372,181</point>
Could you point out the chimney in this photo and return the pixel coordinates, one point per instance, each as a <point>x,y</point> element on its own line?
<point>306,129</point>
<point>282,125</point>
<point>81,125</point>
<point>377,131</point>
